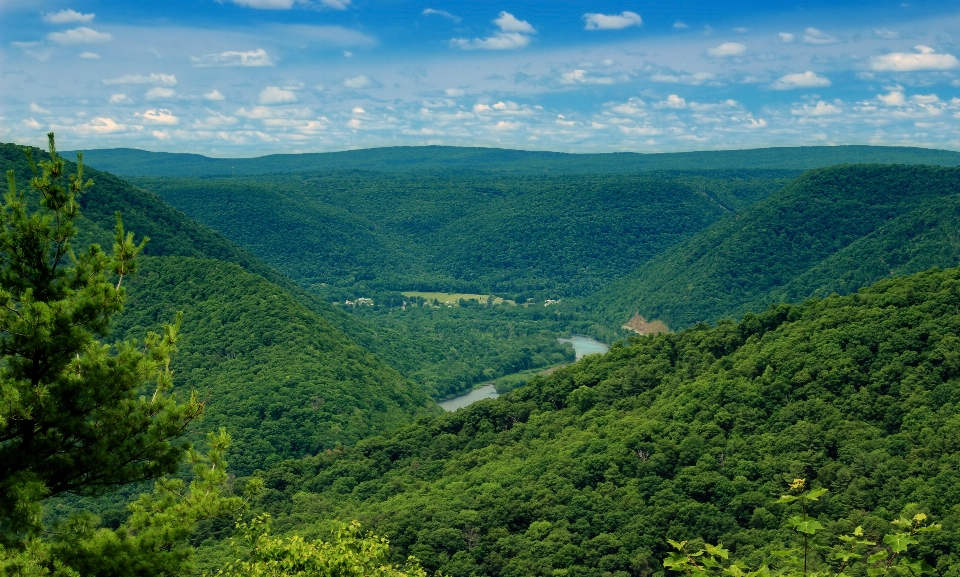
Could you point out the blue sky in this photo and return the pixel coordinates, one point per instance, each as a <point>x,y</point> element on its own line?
<point>252,77</point>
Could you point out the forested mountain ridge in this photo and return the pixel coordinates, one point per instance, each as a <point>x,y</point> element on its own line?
<point>694,434</point>
<point>245,324</point>
<point>133,162</point>
<point>281,379</point>
<point>761,254</point>
<point>537,236</point>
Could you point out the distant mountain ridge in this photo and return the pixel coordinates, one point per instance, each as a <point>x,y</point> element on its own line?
<point>832,229</point>
<point>135,162</point>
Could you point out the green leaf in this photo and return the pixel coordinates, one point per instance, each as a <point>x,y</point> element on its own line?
<point>809,527</point>
<point>717,550</point>
<point>786,499</point>
<point>678,546</point>
<point>815,494</point>
<point>899,542</point>
<point>675,560</point>
<point>877,557</point>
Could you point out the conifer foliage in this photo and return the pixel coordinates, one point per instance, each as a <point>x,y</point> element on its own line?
<point>79,416</point>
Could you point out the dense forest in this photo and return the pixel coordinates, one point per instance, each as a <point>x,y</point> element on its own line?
<point>298,344</point>
<point>132,162</point>
<point>680,436</point>
<point>537,237</point>
<point>832,229</point>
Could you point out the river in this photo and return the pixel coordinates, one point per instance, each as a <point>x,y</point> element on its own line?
<point>581,346</point>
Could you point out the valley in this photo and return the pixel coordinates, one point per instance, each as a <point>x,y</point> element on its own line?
<point>409,337</point>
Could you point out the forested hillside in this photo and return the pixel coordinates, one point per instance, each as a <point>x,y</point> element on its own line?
<point>132,162</point>
<point>832,229</point>
<point>539,236</point>
<point>281,379</point>
<point>694,434</point>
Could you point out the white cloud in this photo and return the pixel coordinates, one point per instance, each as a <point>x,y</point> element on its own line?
<point>213,95</point>
<point>443,13</point>
<point>926,58</point>
<point>727,50</point>
<point>81,35</point>
<point>694,79</point>
<point>336,4</point>
<point>510,23</point>
<point>582,77</point>
<point>152,78</point>
<point>215,120</point>
<point>741,30</point>
<point>806,79</point>
<point>100,125</point>
<point>892,98</point>
<point>265,4</point>
<point>161,134</point>
<point>611,21</point>
<point>673,101</point>
<point>358,110</point>
<point>160,93</point>
<point>454,92</point>
<point>886,33</point>
<point>816,37</point>
<point>925,98</point>
<point>361,81</point>
<point>820,109</point>
<point>34,107</point>
<point>275,95</point>
<point>514,33</point>
<point>89,56</point>
<point>232,58</point>
<point>160,116</point>
<point>680,24</point>
<point>787,38</point>
<point>67,17</point>
<point>120,98</point>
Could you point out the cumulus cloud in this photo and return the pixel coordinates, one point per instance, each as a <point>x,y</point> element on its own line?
<point>786,37</point>
<point>361,81</point>
<point>81,35</point>
<point>816,37</point>
<point>34,107</point>
<point>443,13</point>
<point>820,109</point>
<point>514,33</point>
<point>727,50</point>
<point>454,92</point>
<point>275,95</point>
<point>68,17</point>
<point>620,21</point>
<point>120,98</point>
<point>100,125</point>
<point>583,77</point>
<point>265,4</point>
<point>160,93</point>
<point>89,56</point>
<point>694,79</point>
<point>231,58</point>
<point>160,116</point>
<point>925,58</point>
<point>213,95</point>
<point>673,101</point>
<point>806,79</point>
<point>892,98</point>
<point>152,78</point>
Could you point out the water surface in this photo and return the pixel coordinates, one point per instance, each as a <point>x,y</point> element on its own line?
<point>585,346</point>
<point>485,392</point>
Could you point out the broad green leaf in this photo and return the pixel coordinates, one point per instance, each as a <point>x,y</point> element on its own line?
<point>815,494</point>
<point>675,560</point>
<point>678,546</point>
<point>809,527</point>
<point>899,542</point>
<point>878,556</point>
<point>786,499</point>
<point>717,550</point>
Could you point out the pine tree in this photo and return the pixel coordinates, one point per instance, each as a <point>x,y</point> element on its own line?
<point>83,417</point>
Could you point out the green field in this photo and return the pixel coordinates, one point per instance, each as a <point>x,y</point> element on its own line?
<point>454,298</point>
